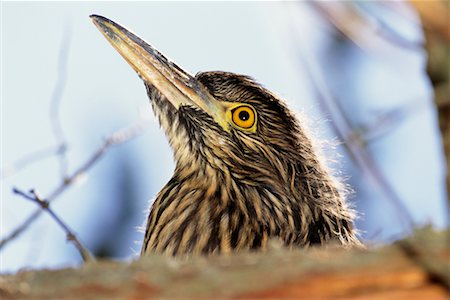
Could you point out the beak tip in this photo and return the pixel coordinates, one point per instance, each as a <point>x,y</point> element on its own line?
<point>104,25</point>
<point>97,19</point>
<point>94,18</point>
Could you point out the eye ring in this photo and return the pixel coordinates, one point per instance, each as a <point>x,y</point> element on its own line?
<point>243,116</point>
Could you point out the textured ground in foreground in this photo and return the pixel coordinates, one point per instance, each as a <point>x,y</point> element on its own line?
<point>416,268</point>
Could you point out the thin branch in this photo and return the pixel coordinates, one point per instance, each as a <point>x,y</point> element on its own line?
<point>71,236</point>
<point>364,30</point>
<point>387,121</point>
<point>56,99</point>
<point>29,159</point>
<point>119,137</point>
<point>60,150</point>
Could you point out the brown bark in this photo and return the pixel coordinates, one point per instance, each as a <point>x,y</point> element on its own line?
<point>417,268</point>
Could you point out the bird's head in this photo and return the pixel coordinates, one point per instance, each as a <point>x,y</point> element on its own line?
<point>227,129</point>
<point>223,119</point>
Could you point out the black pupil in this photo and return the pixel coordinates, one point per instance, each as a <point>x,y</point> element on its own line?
<point>244,115</point>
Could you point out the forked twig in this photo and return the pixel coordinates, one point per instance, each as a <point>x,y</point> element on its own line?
<point>71,236</point>
<point>119,137</point>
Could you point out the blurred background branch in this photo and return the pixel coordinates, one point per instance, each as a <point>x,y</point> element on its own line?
<point>375,37</point>
<point>364,29</point>
<point>29,159</point>
<point>354,142</point>
<point>375,28</point>
<point>60,149</point>
<point>435,17</point>
<point>56,99</point>
<point>121,136</point>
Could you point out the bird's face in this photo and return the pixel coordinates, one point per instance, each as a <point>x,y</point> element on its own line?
<point>216,119</point>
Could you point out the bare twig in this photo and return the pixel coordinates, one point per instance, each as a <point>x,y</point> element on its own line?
<point>71,236</point>
<point>119,137</point>
<point>56,101</point>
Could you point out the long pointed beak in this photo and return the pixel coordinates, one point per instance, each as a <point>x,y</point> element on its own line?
<point>177,85</point>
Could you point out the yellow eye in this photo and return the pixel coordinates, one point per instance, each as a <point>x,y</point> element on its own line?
<point>243,116</point>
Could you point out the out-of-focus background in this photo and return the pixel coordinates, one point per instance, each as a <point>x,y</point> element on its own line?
<point>355,70</point>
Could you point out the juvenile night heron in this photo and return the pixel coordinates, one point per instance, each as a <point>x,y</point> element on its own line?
<point>246,172</point>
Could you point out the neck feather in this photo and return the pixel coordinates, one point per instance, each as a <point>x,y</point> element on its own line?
<point>205,210</point>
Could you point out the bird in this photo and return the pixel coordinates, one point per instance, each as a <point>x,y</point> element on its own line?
<point>246,170</point>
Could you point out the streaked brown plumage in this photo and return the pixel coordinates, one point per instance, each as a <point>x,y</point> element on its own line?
<point>246,171</point>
